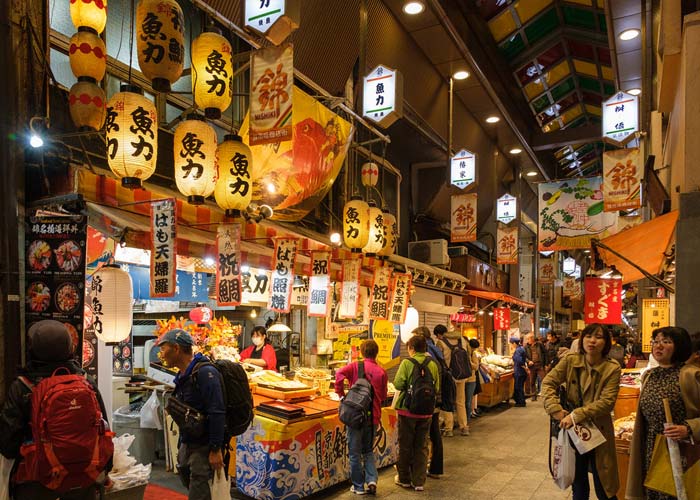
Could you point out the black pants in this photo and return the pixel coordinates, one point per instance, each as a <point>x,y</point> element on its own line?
<point>436,442</point>
<point>519,389</point>
<point>581,486</point>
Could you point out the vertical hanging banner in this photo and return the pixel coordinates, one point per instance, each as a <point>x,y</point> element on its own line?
<point>163,238</point>
<point>271,81</point>
<point>655,314</point>
<point>319,284</point>
<point>379,297</point>
<point>507,245</point>
<point>571,287</point>
<point>401,285</point>
<point>463,218</point>
<point>228,265</point>
<point>622,178</point>
<point>282,275</point>
<point>501,318</point>
<point>300,291</point>
<point>546,271</point>
<point>350,291</point>
<point>603,299</point>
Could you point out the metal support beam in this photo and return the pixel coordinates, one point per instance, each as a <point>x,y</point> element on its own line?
<point>554,140</point>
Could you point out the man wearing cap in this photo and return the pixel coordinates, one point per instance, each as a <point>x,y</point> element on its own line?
<point>520,373</point>
<point>197,458</point>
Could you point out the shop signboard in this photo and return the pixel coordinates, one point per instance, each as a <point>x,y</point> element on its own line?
<point>655,314</point>
<point>546,271</point>
<point>276,19</point>
<point>386,337</point>
<point>463,169</point>
<point>507,245</point>
<point>622,180</point>
<point>282,275</point>
<point>382,97</point>
<point>189,287</point>
<point>379,296</point>
<point>571,287</point>
<point>271,96</point>
<point>163,248</point>
<point>228,265</point>
<point>506,208</point>
<point>300,291</point>
<point>501,318</point>
<point>620,118</point>
<point>319,284</point>
<point>603,301</point>
<point>463,218</point>
<point>256,285</point>
<point>400,295</point>
<point>90,351</point>
<point>350,290</point>
<point>55,271</point>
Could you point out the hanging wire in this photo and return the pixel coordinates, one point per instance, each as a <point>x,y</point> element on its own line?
<point>131,40</point>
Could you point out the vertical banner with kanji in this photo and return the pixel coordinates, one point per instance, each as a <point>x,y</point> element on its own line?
<point>507,245</point>
<point>571,287</point>
<point>463,218</point>
<point>546,271</point>
<point>319,283</point>
<point>163,248</point>
<point>228,265</point>
<point>655,314</point>
<point>501,318</point>
<point>379,295</point>
<point>350,291</point>
<point>271,81</point>
<point>603,301</point>
<point>282,275</point>
<point>401,285</point>
<point>622,177</point>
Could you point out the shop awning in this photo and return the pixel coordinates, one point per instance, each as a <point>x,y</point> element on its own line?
<point>509,299</point>
<point>644,245</point>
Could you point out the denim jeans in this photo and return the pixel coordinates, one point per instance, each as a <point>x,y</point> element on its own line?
<point>519,388</point>
<point>470,387</point>
<point>363,467</point>
<point>581,487</point>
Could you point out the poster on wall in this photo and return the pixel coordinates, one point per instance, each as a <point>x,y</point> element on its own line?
<point>571,288</point>
<point>163,248</point>
<point>603,301</point>
<point>463,218</point>
<point>319,284</point>
<point>622,179</point>
<point>386,337</point>
<point>350,290</point>
<point>55,249</point>
<point>655,314</point>
<point>507,245</point>
<point>228,265</point>
<point>501,318</point>
<point>282,275</point>
<point>271,82</point>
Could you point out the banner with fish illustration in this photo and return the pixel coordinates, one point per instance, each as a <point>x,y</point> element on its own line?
<point>571,214</point>
<point>293,176</point>
<point>463,218</point>
<point>507,244</point>
<point>622,175</point>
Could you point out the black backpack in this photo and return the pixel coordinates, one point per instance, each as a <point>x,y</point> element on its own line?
<point>355,409</point>
<point>447,396</point>
<point>460,364</point>
<point>237,396</point>
<point>421,396</point>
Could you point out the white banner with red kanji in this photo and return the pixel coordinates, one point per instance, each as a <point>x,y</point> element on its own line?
<point>379,295</point>
<point>603,301</point>
<point>400,289</point>
<point>319,284</point>
<point>501,318</point>
<point>163,248</point>
<point>463,218</point>
<point>507,245</point>
<point>282,275</point>
<point>271,83</point>
<point>228,265</point>
<point>350,290</point>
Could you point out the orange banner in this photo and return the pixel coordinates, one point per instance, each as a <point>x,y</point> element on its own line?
<point>463,218</point>
<point>507,245</point>
<point>622,176</point>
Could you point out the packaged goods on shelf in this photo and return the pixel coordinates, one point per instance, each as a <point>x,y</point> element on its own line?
<point>624,427</point>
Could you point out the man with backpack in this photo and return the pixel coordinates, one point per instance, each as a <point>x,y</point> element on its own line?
<point>361,411</point>
<point>418,379</point>
<point>53,388</point>
<point>202,435</point>
<point>463,372</point>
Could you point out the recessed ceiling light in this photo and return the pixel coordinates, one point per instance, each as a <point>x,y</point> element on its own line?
<point>516,151</point>
<point>460,75</point>
<point>635,91</point>
<point>413,8</point>
<point>531,173</point>
<point>629,34</point>
<point>493,119</point>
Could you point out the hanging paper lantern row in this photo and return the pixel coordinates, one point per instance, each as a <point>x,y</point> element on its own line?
<point>233,191</point>
<point>89,13</point>
<point>111,303</point>
<point>212,71</point>
<point>370,174</point>
<point>132,136</point>
<point>195,159</point>
<point>88,55</point>
<point>391,234</point>
<point>375,241</point>
<point>356,224</point>
<point>160,36</point>
<point>87,105</point>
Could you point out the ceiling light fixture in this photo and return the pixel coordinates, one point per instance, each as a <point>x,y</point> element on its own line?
<point>629,34</point>
<point>413,8</point>
<point>461,75</point>
<point>516,151</point>
<point>335,238</point>
<point>634,91</point>
<point>493,119</point>
<point>531,173</point>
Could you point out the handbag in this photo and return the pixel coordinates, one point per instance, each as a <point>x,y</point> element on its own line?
<point>660,474</point>
<point>220,487</point>
<point>585,435</point>
<point>6,465</point>
<point>189,420</point>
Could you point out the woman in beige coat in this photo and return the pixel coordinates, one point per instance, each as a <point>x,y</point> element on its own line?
<point>592,382</point>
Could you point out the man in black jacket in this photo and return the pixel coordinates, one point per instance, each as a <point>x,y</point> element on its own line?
<point>536,359</point>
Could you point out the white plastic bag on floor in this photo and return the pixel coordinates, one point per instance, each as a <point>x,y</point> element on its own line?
<point>122,461</point>
<point>5,471</point>
<point>563,460</point>
<point>150,413</point>
<point>220,487</point>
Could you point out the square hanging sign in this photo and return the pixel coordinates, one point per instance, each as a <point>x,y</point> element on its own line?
<point>463,169</point>
<point>620,118</point>
<point>603,301</point>
<point>382,97</point>
<point>506,208</point>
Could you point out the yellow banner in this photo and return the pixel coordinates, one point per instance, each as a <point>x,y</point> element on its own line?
<point>622,176</point>
<point>655,314</point>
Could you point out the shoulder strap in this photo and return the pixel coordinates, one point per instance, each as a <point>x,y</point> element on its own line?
<point>459,343</point>
<point>447,343</point>
<point>26,382</point>
<point>361,369</point>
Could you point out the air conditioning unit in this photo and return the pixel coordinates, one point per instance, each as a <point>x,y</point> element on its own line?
<point>433,252</point>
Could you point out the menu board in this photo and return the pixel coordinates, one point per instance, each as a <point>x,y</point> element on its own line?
<point>123,357</point>
<point>55,271</point>
<point>90,351</point>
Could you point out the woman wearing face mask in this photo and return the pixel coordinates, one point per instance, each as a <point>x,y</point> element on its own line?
<point>261,353</point>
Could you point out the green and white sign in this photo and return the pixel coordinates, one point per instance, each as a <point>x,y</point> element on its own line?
<point>463,169</point>
<point>620,118</point>
<point>382,98</point>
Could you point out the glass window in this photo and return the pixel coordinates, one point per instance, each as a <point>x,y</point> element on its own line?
<point>60,66</point>
<point>59,17</point>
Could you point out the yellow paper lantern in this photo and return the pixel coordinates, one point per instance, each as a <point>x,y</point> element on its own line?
<point>391,234</point>
<point>87,54</point>
<point>375,242</point>
<point>132,136</point>
<point>234,187</point>
<point>356,224</point>
<point>111,301</point>
<point>370,174</point>
<point>195,159</point>
<point>87,105</point>
<point>89,13</point>
<point>212,71</point>
<point>160,36</point>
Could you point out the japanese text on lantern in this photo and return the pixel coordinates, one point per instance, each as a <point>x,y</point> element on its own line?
<point>379,299</point>
<point>163,239</point>
<point>319,283</point>
<point>603,301</point>
<point>282,275</point>
<point>350,291</point>
<point>401,287</point>
<point>228,265</point>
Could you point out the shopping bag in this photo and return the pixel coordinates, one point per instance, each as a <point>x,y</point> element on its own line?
<point>220,487</point>
<point>6,465</point>
<point>563,466</point>
<point>660,475</point>
<point>150,413</point>
<point>585,436</point>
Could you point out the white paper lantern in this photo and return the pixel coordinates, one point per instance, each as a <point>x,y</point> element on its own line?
<point>111,299</point>
<point>370,174</point>
<point>375,242</point>
<point>356,224</point>
<point>391,234</point>
<point>411,323</point>
<point>195,159</point>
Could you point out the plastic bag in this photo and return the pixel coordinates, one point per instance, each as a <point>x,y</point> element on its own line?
<point>121,460</point>
<point>150,413</point>
<point>564,460</point>
<point>5,471</point>
<point>220,487</point>
<point>585,436</point>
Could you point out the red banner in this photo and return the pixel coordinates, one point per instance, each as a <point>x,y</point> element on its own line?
<point>603,299</point>
<point>501,318</point>
<point>163,238</point>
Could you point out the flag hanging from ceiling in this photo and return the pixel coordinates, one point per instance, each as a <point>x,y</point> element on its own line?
<point>622,175</point>
<point>463,218</point>
<point>507,245</point>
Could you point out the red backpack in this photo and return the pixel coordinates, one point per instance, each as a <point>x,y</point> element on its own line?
<point>71,443</point>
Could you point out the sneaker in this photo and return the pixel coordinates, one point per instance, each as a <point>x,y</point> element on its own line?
<point>372,489</point>
<point>464,432</point>
<point>355,491</point>
<point>434,476</point>
<point>448,434</point>
<point>418,488</point>
<point>398,482</point>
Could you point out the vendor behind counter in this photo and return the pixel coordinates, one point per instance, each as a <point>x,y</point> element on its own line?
<point>261,353</point>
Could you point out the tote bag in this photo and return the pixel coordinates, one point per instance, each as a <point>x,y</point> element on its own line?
<point>585,435</point>
<point>660,474</point>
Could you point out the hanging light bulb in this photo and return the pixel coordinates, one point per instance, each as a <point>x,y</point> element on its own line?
<point>160,38</point>
<point>253,313</point>
<point>234,190</point>
<point>212,71</point>
<point>356,224</point>
<point>195,159</point>
<point>375,241</point>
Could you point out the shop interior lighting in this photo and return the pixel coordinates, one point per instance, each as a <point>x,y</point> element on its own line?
<point>209,261</point>
<point>413,8</point>
<point>279,327</point>
<point>515,151</point>
<point>335,238</point>
<point>531,173</point>
<point>629,34</point>
<point>245,268</point>
<point>461,75</point>
<point>481,312</point>
<point>634,91</point>
<point>493,119</point>
<point>490,313</point>
<point>271,188</point>
<point>298,282</point>
<point>253,313</point>
<point>122,239</point>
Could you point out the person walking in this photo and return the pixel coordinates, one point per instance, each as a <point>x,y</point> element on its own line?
<point>198,385</point>
<point>520,372</point>
<point>592,382</point>
<point>536,358</point>
<point>363,466</point>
